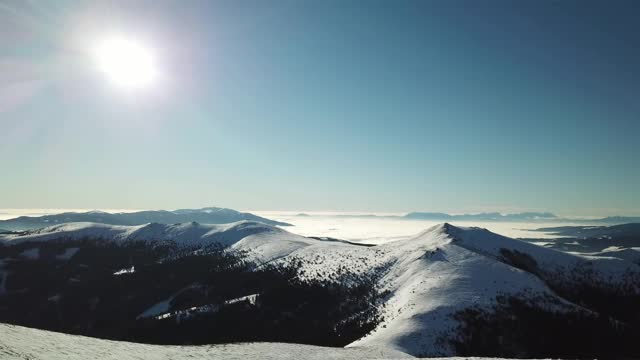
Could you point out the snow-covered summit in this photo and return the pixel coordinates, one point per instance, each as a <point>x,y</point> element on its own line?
<point>447,268</point>
<point>208,215</point>
<point>263,241</point>
<point>185,233</point>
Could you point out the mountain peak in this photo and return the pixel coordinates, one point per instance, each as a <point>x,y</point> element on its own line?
<point>446,228</point>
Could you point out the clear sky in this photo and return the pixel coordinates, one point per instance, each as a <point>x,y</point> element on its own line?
<point>370,105</point>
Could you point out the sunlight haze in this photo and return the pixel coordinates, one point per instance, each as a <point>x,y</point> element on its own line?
<point>394,106</point>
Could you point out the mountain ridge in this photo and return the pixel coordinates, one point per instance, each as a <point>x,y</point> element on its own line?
<point>428,279</point>
<point>491,216</point>
<point>207,215</point>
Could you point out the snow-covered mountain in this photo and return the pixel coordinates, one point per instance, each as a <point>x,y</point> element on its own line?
<point>446,269</point>
<point>261,240</point>
<point>523,217</point>
<point>428,281</point>
<point>208,215</point>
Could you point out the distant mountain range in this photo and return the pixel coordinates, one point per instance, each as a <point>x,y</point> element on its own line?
<point>493,216</point>
<point>216,215</point>
<point>208,215</point>
<point>616,220</point>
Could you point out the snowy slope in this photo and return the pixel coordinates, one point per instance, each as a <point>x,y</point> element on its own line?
<point>265,242</point>
<point>466,269</point>
<point>21,343</point>
<point>428,277</point>
<point>431,279</point>
<point>608,269</point>
<point>441,271</point>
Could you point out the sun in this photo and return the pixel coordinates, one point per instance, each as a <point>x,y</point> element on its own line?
<point>125,62</point>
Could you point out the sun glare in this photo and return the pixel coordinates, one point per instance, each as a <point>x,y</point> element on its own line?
<point>126,63</point>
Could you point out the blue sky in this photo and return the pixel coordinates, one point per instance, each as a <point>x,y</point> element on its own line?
<point>457,106</point>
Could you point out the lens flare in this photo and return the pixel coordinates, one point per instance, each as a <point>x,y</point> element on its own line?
<point>126,63</point>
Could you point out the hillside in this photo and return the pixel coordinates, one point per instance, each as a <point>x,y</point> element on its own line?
<point>208,215</point>
<point>421,296</point>
<point>622,230</point>
<point>19,343</point>
<point>619,241</point>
